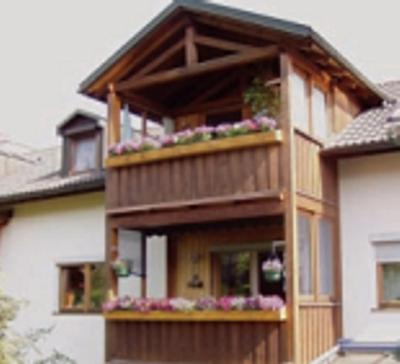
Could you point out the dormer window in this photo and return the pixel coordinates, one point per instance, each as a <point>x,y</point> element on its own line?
<point>84,153</point>
<point>82,135</point>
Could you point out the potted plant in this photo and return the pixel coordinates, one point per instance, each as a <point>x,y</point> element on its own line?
<point>262,99</point>
<point>122,267</point>
<point>272,270</point>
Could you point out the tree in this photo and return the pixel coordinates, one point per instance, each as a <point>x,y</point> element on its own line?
<point>15,347</point>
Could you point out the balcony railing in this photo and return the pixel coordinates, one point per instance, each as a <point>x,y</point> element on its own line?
<point>237,168</point>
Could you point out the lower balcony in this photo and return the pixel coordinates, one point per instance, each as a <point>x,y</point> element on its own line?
<point>200,337</point>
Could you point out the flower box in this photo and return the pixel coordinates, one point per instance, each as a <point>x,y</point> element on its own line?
<point>205,316</point>
<point>208,147</point>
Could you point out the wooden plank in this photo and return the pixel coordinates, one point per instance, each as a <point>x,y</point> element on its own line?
<point>158,61</point>
<point>200,214</point>
<point>214,201</point>
<point>198,69</point>
<point>203,316</point>
<point>210,147</point>
<point>222,44</point>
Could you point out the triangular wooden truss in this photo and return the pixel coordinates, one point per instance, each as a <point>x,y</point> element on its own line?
<point>234,54</point>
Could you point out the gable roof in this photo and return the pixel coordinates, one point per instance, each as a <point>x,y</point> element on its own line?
<point>80,114</point>
<point>371,130</point>
<point>42,179</point>
<point>292,29</point>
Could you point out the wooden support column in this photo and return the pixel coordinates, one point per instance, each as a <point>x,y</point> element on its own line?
<point>292,334</point>
<point>192,55</point>
<point>144,124</point>
<point>114,116</point>
<point>143,255</point>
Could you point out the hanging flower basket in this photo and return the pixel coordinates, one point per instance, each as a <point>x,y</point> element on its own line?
<point>272,270</point>
<point>272,276</point>
<point>122,268</point>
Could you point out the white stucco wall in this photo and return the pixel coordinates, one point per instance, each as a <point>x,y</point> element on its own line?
<point>39,236</point>
<point>370,207</point>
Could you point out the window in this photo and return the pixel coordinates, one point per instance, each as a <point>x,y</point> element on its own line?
<point>388,273</point>
<point>304,236</point>
<point>319,114</point>
<point>84,156</point>
<point>389,284</point>
<point>299,101</point>
<point>326,272</point>
<point>82,287</point>
<point>240,272</point>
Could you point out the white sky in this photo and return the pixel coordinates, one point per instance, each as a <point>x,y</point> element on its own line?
<point>48,47</point>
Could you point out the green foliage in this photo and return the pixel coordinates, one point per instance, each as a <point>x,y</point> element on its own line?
<point>99,286</point>
<point>15,347</point>
<point>263,100</point>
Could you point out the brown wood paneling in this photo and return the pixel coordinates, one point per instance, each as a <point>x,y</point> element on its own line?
<point>319,329</point>
<point>201,342</point>
<point>223,174</point>
<point>200,242</point>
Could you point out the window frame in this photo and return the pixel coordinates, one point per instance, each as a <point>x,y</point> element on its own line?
<point>382,304</point>
<point>254,249</point>
<point>314,81</point>
<point>316,295</point>
<point>86,266</point>
<point>311,296</point>
<point>320,297</point>
<point>72,151</point>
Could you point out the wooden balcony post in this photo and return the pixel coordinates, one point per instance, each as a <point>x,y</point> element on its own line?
<point>144,124</point>
<point>292,333</point>
<point>114,116</point>
<point>143,255</point>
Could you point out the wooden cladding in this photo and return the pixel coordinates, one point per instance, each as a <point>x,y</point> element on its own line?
<point>194,342</point>
<point>316,176</point>
<point>320,329</point>
<point>194,177</point>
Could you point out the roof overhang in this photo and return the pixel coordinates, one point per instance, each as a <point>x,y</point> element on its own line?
<point>284,32</point>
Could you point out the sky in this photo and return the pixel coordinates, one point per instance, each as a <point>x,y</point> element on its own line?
<point>48,47</point>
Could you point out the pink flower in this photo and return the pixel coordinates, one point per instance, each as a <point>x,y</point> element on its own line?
<point>225,303</point>
<point>272,265</point>
<point>270,303</point>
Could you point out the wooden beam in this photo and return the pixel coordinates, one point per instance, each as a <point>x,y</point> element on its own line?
<point>158,61</point>
<point>204,214</point>
<point>292,333</point>
<point>222,44</point>
<point>125,66</point>
<point>192,56</point>
<point>145,104</point>
<point>114,117</point>
<point>198,69</point>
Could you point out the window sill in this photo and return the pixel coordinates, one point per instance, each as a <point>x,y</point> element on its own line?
<point>77,313</point>
<point>386,309</point>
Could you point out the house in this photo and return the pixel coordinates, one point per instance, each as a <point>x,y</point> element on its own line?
<point>243,180</point>
<point>223,198</point>
<point>52,235</point>
<point>368,156</point>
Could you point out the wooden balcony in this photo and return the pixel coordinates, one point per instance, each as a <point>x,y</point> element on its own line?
<point>198,337</point>
<point>232,171</point>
